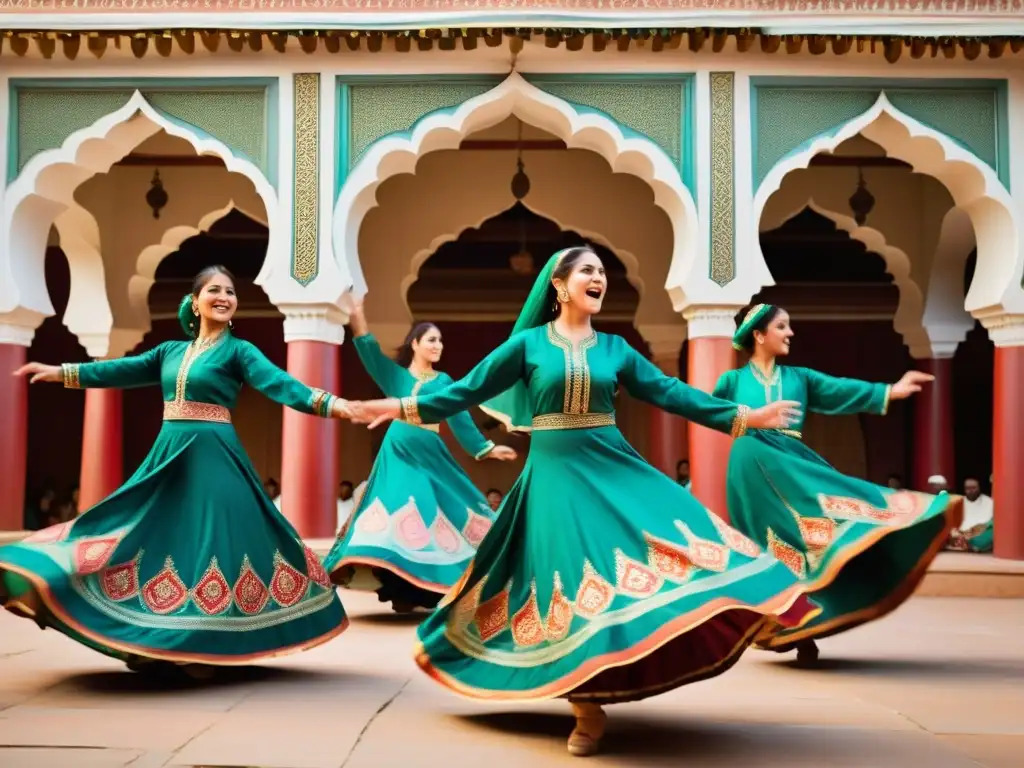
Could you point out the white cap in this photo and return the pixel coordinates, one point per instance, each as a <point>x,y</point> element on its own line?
<point>937,480</point>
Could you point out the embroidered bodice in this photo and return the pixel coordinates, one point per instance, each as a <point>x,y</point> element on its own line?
<point>572,384</point>
<point>194,373</point>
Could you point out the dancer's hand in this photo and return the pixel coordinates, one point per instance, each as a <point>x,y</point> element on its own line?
<point>909,384</point>
<point>779,415</point>
<point>41,372</point>
<point>356,315</point>
<point>502,453</point>
<point>375,412</point>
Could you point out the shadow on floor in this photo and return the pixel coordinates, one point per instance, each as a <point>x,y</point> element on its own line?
<point>951,669</point>
<point>391,619</point>
<point>169,678</point>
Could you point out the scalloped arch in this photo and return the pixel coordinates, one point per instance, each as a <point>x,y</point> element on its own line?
<point>907,321</point>
<point>151,256</point>
<point>445,129</point>
<point>420,257</point>
<point>45,189</point>
<point>973,185</point>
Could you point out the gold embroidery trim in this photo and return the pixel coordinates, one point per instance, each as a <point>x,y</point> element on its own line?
<point>410,411</point>
<point>577,371</point>
<point>791,433</point>
<point>321,402</point>
<point>885,402</point>
<point>550,421</point>
<point>739,422</point>
<point>70,373</point>
<point>188,410</point>
<point>768,382</point>
<point>435,428</point>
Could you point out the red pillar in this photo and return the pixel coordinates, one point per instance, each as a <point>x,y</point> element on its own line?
<point>102,447</point>
<point>309,471</point>
<point>1008,452</point>
<point>13,437</point>
<point>707,359</point>
<point>933,425</point>
<point>667,441</point>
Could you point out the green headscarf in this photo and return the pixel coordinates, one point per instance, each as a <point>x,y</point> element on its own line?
<point>512,407</point>
<point>754,316</point>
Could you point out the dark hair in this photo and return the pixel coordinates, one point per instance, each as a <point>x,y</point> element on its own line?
<point>681,462</point>
<point>187,318</point>
<point>493,490</point>
<point>760,326</point>
<point>346,482</point>
<point>404,354</point>
<point>562,271</point>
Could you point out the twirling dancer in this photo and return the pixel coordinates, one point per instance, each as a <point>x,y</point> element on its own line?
<point>420,518</point>
<point>188,562</point>
<point>860,549</point>
<point>602,579</point>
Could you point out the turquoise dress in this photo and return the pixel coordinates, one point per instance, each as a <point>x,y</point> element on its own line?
<point>602,579</point>
<point>189,561</point>
<point>420,518</point>
<point>860,549</point>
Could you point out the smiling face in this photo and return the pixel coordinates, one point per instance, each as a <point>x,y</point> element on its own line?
<point>216,301</point>
<point>775,338</point>
<point>586,284</point>
<point>427,349</point>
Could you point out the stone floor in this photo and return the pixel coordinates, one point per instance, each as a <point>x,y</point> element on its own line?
<point>940,683</point>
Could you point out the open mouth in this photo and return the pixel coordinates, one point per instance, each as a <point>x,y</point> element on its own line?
<point>222,307</point>
<point>594,293</point>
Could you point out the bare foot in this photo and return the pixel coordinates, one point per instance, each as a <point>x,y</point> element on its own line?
<point>585,740</point>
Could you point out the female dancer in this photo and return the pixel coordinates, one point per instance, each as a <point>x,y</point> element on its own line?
<point>420,518</point>
<point>859,548</point>
<point>602,580</point>
<point>188,562</point>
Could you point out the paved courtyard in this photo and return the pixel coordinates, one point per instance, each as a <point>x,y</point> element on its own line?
<point>939,684</point>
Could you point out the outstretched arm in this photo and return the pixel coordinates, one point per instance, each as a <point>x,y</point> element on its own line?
<point>281,387</point>
<point>468,436</point>
<point>644,381</point>
<point>492,376</point>
<point>835,396</point>
<point>124,373</point>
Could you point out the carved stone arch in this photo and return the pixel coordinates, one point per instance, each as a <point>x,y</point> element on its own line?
<point>150,257</point>
<point>625,152</point>
<point>973,185</point>
<point>907,321</point>
<point>44,192</point>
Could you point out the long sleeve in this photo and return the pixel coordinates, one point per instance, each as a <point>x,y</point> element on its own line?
<point>385,372</point>
<point>644,381</point>
<point>265,377</point>
<point>468,436</point>
<point>834,396</point>
<point>492,376</point>
<point>123,373</point>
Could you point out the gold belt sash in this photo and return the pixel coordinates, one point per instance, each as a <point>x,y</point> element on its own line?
<point>435,428</point>
<point>549,421</point>
<point>791,433</point>
<point>187,410</point>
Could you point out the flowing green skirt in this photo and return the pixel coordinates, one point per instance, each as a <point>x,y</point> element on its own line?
<point>602,580</point>
<point>859,549</point>
<point>188,562</point>
<point>417,525</point>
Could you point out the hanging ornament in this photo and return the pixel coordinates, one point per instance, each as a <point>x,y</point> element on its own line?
<point>156,197</point>
<point>862,202</point>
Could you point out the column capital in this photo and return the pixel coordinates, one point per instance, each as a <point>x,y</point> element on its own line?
<point>710,321</point>
<point>935,350</point>
<point>18,327</point>
<point>112,344</point>
<point>1005,330</point>
<point>314,322</point>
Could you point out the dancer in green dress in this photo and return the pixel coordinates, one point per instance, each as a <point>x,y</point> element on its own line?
<point>420,519</point>
<point>188,562</point>
<point>602,579</point>
<point>859,548</point>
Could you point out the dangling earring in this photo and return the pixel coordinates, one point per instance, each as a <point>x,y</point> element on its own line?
<point>231,324</point>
